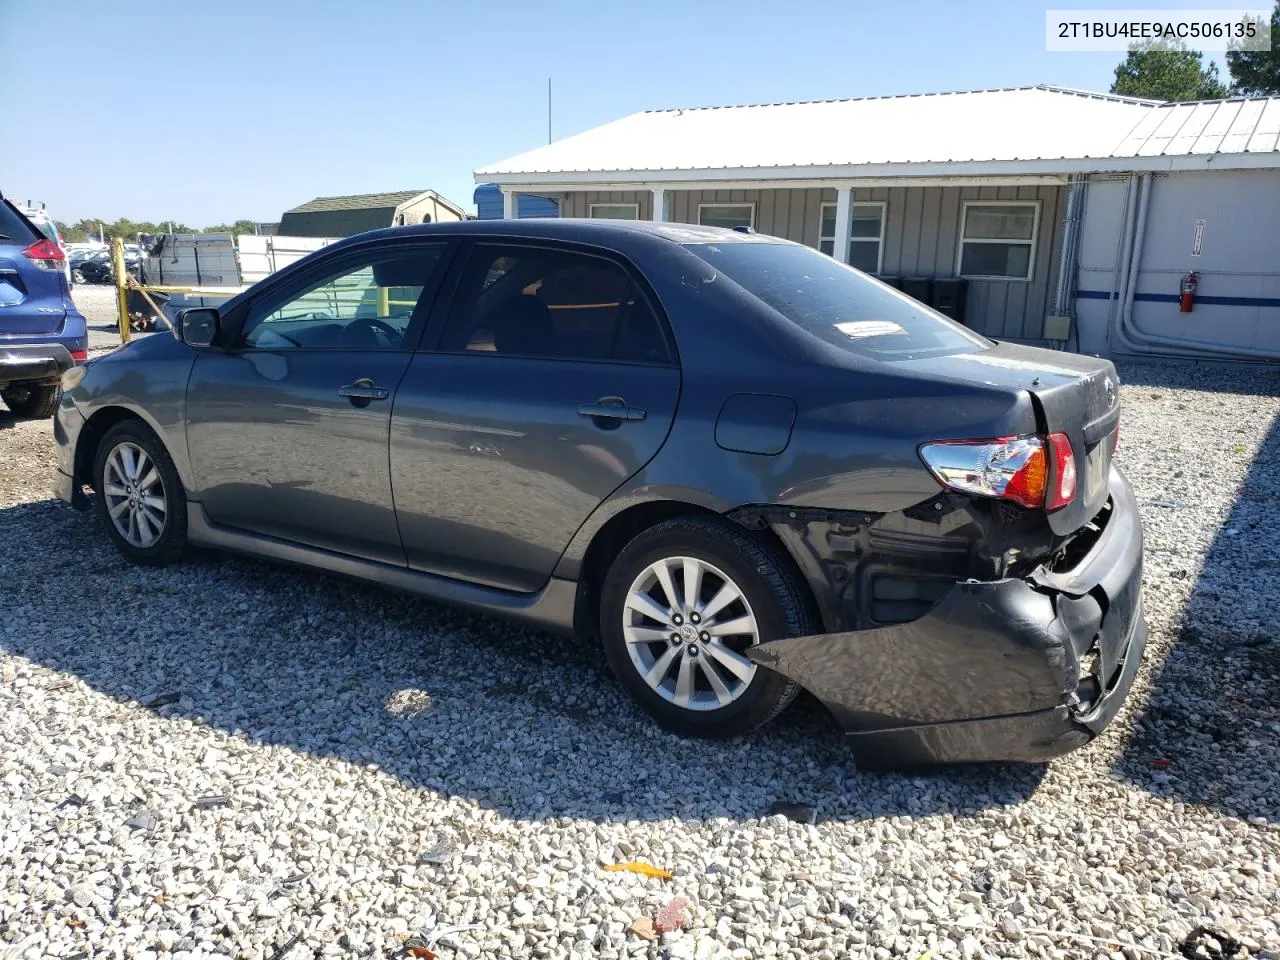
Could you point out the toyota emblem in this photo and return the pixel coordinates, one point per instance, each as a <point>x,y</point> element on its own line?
<point>1111,392</point>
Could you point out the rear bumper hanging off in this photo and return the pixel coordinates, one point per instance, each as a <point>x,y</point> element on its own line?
<point>1020,669</point>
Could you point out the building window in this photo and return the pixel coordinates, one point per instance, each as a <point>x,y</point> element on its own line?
<point>614,211</point>
<point>728,215</point>
<point>866,235</point>
<point>998,240</point>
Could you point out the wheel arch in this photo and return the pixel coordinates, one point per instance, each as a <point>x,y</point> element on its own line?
<point>96,427</point>
<point>626,524</point>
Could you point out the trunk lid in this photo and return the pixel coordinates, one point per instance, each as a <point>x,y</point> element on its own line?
<point>1072,394</point>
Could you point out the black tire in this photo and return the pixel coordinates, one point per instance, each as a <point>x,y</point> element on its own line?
<point>32,401</point>
<point>172,540</point>
<point>771,590</point>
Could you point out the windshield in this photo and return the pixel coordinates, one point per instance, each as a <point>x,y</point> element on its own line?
<point>838,304</point>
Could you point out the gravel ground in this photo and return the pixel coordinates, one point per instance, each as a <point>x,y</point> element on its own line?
<point>98,304</point>
<point>228,758</point>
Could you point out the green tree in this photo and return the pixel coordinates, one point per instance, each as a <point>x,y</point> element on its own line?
<point>240,227</point>
<point>1257,72</point>
<point>1163,70</point>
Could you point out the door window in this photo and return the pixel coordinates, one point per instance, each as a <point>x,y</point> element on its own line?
<point>534,302</point>
<point>366,305</point>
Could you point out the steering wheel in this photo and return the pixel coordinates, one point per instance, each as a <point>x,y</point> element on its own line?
<point>379,327</point>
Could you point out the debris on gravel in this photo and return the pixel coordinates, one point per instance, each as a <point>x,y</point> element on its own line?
<point>226,758</point>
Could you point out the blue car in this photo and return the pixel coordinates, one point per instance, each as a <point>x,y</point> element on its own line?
<point>42,334</point>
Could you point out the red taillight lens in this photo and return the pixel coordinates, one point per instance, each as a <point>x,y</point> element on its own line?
<point>1115,439</point>
<point>80,355</point>
<point>45,254</point>
<point>1007,468</point>
<point>1064,471</point>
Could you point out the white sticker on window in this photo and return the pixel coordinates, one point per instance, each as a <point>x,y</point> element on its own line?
<point>861,329</point>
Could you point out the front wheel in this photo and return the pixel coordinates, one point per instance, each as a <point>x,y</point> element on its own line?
<point>31,401</point>
<point>681,604</point>
<point>139,496</point>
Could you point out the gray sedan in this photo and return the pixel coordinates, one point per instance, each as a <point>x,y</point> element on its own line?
<point>742,467</point>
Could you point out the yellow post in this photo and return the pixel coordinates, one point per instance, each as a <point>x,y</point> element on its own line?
<point>384,302</point>
<point>122,296</point>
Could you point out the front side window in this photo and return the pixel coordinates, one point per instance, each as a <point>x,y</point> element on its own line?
<point>557,304</point>
<point>866,235</point>
<point>839,306</point>
<point>614,211</point>
<point>366,305</point>
<point>997,240</point>
<point>727,215</point>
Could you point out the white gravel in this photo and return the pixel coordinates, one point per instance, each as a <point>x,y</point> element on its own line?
<point>349,767</point>
<point>97,301</point>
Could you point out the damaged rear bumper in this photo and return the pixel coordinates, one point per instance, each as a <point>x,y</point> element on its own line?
<point>1020,669</point>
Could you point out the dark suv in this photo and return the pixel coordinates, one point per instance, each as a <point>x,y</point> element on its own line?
<point>41,332</point>
<point>742,466</point>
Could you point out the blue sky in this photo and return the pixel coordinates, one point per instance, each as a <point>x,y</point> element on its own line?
<point>209,112</point>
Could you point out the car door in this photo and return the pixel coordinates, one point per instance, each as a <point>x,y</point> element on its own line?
<point>287,428</point>
<point>553,381</point>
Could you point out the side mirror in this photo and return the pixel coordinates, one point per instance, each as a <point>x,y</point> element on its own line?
<point>198,326</point>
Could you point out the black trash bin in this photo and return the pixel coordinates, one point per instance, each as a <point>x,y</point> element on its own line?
<point>949,295</point>
<point>894,281</point>
<point>921,288</point>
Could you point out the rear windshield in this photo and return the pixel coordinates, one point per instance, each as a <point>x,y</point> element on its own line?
<point>838,304</point>
<point>48,228</point>
<point>13,228</point>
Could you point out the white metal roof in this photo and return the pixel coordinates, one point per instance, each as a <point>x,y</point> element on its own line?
<point>1023,127</point>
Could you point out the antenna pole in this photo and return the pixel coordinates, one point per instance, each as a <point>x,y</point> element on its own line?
<point>548,109</point>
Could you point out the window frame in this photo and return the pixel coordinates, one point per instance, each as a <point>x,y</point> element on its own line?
<point>750,205</point>
<point>293,284</point>
<point>591,209</point>
<point>450,291</point>
<point>1032,243</point>
<point>884,221</point>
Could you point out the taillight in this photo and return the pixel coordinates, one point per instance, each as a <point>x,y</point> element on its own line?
<point>45,254</point>
<point>80,356</point>
<point>1006,468</point>
<point>1064,471</point>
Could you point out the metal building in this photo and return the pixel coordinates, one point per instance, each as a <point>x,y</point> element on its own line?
<point>1040,214</point>
<point>345,216</point>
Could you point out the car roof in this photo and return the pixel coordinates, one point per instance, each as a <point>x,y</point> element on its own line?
<point>602,232</point>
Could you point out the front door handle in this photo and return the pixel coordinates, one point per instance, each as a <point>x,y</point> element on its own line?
<point>362,392</point>
<point>610,408</point>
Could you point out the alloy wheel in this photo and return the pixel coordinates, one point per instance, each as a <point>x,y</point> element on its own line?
<point>686,624</point>
<point>135,495</point>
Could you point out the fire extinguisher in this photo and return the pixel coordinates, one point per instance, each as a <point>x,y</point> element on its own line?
<point>1188,298</point>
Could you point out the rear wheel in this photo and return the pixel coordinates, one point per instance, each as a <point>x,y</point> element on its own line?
<point>681,604</point>
<point>31,401</point>
<point>139,496</point>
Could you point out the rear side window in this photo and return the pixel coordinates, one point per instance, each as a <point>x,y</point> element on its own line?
<point>13,228</point>
<point>536,302</point>
<point>838,304</point>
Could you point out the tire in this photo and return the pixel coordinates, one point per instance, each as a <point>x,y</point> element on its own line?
<point>32,401</point>
<point>77,276</point>
<point>132,498</point>
<point>772,603</point>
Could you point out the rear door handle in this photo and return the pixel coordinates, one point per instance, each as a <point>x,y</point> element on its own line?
<point>363,391</point>
<point>610,408</point>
